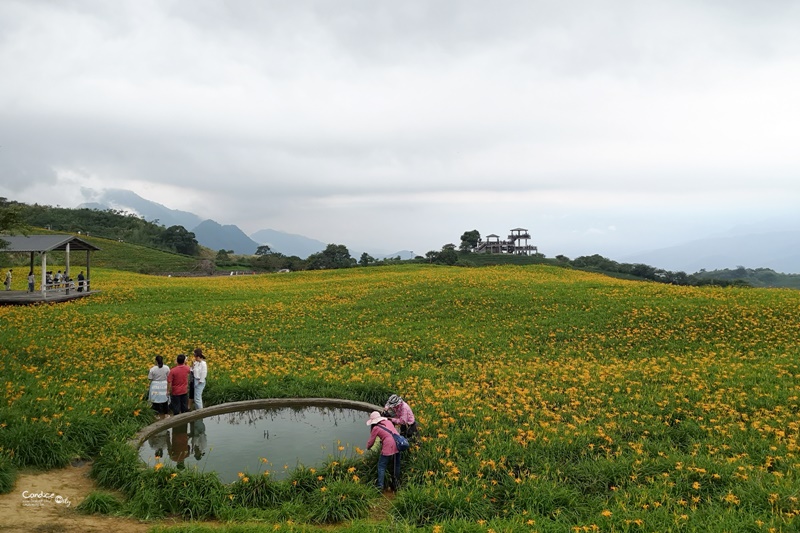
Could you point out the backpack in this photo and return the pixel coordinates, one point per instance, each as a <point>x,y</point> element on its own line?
<point>400,441</point>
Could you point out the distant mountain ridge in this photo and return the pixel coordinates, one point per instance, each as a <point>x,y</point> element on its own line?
<point>777,250</point>
<point>288,243</point>
<point>756,245</point>
<point>208,233</point>
<point>124,200</point>
<point>214,235</point>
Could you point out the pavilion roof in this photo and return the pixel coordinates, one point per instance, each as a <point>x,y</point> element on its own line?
<point>45,243</point>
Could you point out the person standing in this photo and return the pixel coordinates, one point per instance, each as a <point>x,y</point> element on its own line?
<point>7,282</point>
<point>31,281</point>
<point>158,386</point>
<point>178,383</point>
<point>200,373</point>
<point>400,414</point>
<point>80,281</point>
<point>389,452</point>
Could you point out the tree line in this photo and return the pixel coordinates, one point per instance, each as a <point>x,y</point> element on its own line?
<point>128,227</point>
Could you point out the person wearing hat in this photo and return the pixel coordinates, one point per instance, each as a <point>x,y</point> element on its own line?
<point>380,427</point>
<point>401,415</point>
<point>200,373</point>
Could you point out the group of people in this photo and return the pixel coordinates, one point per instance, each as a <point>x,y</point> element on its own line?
<point>59,280</point>
<point>51,281</point>
<point>177,387</point>
<point>180,388</point>
<point>395,419</point>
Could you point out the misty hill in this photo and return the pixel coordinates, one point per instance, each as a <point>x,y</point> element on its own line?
<point>124,200</point>
<point>287,243</point>
<point>776,250</point>
<point>208,233</point>
<point>214,235</point>
<point>402,254</point>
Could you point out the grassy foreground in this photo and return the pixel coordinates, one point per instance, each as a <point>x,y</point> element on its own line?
<point>548,399</point>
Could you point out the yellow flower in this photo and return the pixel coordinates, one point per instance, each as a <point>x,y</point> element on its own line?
<point>606,513</point>
<point>158,466</point>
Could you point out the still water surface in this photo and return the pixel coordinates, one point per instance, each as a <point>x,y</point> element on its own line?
<point>258,440</point>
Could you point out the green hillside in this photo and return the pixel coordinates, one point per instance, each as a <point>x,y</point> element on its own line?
<point>114,254</point>
<point>136,258</point>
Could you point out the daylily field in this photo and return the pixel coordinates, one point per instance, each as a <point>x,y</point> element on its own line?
<point>548,399</point>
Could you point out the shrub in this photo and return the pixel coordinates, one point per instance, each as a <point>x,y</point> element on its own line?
<point>37,445</point>
<point>339,501</point>
<point>99,502</point>
<point>117,466</point>
<point>8,474</point>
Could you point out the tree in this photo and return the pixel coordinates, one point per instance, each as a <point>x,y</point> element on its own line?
<point>224,255</point>
<point>448,256</point>
<point>264,249</point>
<point>179,239</point>
<point>470,240</point>
<point>366,259</point>
<point>10,220</point>
<point>333,256</point>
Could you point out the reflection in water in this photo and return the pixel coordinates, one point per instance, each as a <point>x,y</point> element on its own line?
<point>179,450</point>
<point>258,440</point>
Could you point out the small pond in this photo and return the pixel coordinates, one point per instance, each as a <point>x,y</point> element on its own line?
<point>276,439</point>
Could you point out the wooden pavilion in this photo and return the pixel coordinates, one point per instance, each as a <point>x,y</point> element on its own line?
<point>49,290</point>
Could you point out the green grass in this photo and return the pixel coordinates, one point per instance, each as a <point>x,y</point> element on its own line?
<point>548,399</point>
<point>100,502</point>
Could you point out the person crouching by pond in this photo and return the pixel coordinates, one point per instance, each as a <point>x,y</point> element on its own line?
<point>380,427</point>
<point>200,373</point>
<point>178,380</point>
<point>159,387</point>
<point>401,415</point>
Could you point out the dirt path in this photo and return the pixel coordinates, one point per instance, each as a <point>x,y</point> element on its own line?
<point>45,502</point>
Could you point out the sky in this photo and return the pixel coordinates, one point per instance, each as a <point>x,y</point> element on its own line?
<point>600,126</point>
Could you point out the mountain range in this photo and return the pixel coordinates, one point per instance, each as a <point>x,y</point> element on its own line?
<point>778,250</point>
<point>212,234</point>
<point>773,244</point>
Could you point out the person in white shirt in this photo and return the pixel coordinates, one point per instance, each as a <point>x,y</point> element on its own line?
<point>200,372</point>
<point>158,386</point>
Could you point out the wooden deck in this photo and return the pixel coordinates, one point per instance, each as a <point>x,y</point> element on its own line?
<point>27,298</point>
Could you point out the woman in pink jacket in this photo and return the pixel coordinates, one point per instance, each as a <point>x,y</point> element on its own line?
<point>401,415</point>
<point>381,427</point>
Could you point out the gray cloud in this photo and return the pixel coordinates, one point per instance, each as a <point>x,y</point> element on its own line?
<point>402,125</point>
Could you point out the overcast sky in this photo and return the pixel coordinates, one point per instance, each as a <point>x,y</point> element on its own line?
<point>601,126</point>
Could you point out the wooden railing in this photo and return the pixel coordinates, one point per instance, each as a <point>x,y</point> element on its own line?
<point>65,287</point>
